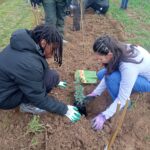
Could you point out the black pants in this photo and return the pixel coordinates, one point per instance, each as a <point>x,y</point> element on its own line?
<point>51,80</point>
<point>100,6</point>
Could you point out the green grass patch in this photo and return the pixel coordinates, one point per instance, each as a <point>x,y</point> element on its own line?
<point>34,126</point>
<point>14,15</point>
<point>136,20</point>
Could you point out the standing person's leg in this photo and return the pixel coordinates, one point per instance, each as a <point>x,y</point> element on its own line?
<point>50,12</point>
<point>123,2</point>
<point>51,79</point>
<point>60,12</point>
<point>126,4</point>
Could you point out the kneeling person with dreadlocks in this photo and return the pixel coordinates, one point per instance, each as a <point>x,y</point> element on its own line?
<point>25,78</point>
<point>126,70</point>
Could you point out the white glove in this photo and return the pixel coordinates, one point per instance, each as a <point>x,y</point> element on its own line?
<point>73,113</point>
<point>62,84</point>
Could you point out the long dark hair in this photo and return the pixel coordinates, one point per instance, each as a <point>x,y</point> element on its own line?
<point>51,35</point>
<point>105,44</point>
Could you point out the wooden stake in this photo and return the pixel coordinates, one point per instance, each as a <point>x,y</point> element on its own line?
<point>120,122</point>
<point>82,24</point>
<point>46,139</point>
<point>116,118</point>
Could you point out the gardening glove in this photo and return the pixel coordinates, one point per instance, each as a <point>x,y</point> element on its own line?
<point>98,122</point>
<point>73,113</point>
<point>34,3</point>
<point>62,84</point>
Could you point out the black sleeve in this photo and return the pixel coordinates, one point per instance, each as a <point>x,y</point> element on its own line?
<point>32,85</point>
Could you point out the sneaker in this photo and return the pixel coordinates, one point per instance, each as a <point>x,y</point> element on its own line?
<point>65,42</point>
<point>28,108</point>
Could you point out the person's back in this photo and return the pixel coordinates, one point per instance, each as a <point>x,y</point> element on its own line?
<point>25,78</point>
<point>142,68</point>
<point>19,60</point>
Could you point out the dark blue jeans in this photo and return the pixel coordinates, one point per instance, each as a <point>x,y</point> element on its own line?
<point>124,4</point>
<point>113,83</point>
<point>51,80</point>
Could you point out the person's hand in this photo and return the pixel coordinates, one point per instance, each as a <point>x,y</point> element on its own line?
<point>73,113</point>
<point>98,122</point>
<point>34,3</point>
<point>62,84</point>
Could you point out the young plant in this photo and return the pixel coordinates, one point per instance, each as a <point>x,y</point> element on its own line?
<point>79,96</point>
<point>34,142</point>
<point>35,126</point>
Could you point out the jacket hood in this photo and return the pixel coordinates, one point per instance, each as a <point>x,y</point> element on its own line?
<point>21,40</point>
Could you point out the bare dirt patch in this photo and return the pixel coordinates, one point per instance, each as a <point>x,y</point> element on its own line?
<point>59,133</point>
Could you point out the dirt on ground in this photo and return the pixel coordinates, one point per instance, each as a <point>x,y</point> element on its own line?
<point>59,133</point>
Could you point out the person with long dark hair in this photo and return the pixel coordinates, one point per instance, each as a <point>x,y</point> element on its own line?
<point>25,78</point>
<point>126,70</point>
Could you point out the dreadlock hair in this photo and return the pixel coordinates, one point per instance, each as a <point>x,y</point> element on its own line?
<point>105,44</point>
<point>51,35</point>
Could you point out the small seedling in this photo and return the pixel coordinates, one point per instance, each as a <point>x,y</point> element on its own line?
<point>147,138</point>
<point>34,142</point>
<point>132,105</point>
<point>79,96</point>
<point>34,126</point>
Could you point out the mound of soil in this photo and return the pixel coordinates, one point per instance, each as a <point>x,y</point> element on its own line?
<point>98,105</point>
<point>59,133</point>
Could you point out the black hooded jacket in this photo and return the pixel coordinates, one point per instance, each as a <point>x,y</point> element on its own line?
<point>22,69</point>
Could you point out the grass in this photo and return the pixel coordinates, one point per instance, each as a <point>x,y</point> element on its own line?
<point>136,20</point>
<point>13,15</point>
<point>34,142</point>
<point>147,138</point>
<point>34,126</point>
